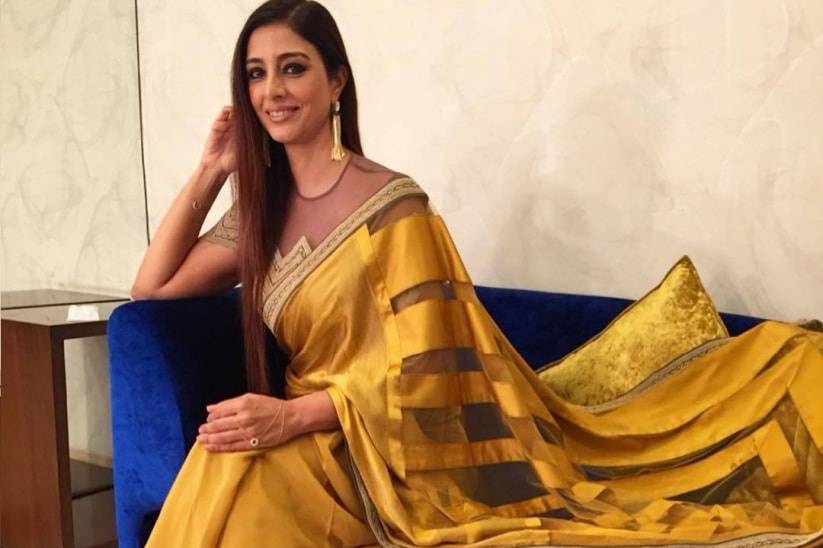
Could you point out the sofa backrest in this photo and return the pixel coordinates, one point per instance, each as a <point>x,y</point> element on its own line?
<point>545,326</point>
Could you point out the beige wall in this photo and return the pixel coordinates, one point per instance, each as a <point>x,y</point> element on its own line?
<point>577,146</point>
<point>71,199</point>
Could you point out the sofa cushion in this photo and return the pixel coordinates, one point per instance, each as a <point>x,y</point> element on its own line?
<point>673,318</point>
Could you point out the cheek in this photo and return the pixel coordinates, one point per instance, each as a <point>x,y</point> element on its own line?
<point>313,92</point>
<point>257,94</point>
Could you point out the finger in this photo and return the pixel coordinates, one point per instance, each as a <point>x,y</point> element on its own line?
<point>223,123</point>
<point>221,127</point>
<point>225,407</point>
<point>219,425</point>
<point>225,115</point>
<point>229,401</point>
<point>219,413</point>
<point>239,414</point>
<point>222,438</point>
<point>227,447</point>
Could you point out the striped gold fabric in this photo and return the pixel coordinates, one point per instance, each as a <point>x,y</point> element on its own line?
<point>452,439</point>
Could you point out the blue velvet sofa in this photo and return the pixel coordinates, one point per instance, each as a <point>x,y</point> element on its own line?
<point>168,359</point>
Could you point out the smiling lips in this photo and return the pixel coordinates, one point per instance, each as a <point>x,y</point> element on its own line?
<point>281,114</point>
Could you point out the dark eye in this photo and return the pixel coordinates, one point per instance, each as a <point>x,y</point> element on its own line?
<point>254,73</point>
<point>294,68</point>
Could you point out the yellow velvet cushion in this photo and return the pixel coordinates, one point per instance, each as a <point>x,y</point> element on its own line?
<point>673,318</point>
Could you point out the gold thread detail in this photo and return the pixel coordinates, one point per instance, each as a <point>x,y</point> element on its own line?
<point>225,231</point>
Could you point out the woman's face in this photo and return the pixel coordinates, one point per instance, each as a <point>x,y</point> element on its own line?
<point>288,85</point>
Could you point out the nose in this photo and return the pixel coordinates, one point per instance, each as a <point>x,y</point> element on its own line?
<point>275,86</point>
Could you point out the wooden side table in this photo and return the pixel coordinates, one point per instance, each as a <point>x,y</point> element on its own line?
<point>40,484</point>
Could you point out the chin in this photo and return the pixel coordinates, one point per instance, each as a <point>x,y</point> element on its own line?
<point>282,137</point>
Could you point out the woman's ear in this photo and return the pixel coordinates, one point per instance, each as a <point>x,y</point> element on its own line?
<point>339,80</point>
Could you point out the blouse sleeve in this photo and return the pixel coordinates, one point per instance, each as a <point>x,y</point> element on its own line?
<point>225,231</point>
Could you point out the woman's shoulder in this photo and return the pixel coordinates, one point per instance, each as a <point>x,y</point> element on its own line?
<point>397,195</point>
<point>372,168</point>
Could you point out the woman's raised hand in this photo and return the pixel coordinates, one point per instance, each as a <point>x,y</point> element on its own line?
<point>221,150</point>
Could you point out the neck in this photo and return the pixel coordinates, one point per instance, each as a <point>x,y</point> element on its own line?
<point>313,169</point>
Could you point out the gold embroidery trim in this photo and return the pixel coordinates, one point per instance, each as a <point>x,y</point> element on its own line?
<point>283,285</point>
<point>225,231</point>
<point>284,265</point>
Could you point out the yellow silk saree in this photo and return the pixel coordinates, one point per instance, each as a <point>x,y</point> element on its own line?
<point>449,438</point>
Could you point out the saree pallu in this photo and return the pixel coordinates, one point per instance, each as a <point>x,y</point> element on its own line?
<point>449,438</point>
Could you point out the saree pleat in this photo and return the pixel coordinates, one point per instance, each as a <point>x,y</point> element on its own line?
<point>451,439</point>
<point>249,498</point>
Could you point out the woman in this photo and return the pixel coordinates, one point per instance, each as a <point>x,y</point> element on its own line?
<point>409,419</point>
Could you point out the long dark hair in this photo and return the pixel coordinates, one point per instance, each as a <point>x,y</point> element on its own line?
<point>261,191</point>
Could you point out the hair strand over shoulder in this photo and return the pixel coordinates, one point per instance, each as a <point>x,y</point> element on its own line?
<point>263,185</point>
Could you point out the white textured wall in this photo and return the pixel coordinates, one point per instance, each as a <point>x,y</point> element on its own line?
<point>71,193</point>
<point>71,200</point>
<point>577,146</point>
<point>185,54</point>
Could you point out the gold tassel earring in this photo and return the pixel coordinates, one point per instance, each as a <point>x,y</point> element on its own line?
<point>336,145</point>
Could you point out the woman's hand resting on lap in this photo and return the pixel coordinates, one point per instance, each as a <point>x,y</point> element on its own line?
<point>231,424</point>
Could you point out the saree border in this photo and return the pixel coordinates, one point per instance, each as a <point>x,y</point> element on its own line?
<point>278,291</point>
<point>224,231</point>
<point>375,523</point>
<point>757,540</point>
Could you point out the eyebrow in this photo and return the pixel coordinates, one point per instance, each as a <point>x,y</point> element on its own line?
<point>279,57</point>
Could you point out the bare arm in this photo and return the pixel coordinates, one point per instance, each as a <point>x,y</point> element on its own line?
<point>177,263</point>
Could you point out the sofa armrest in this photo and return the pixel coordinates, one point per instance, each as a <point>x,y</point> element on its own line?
<point>167,360</point>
